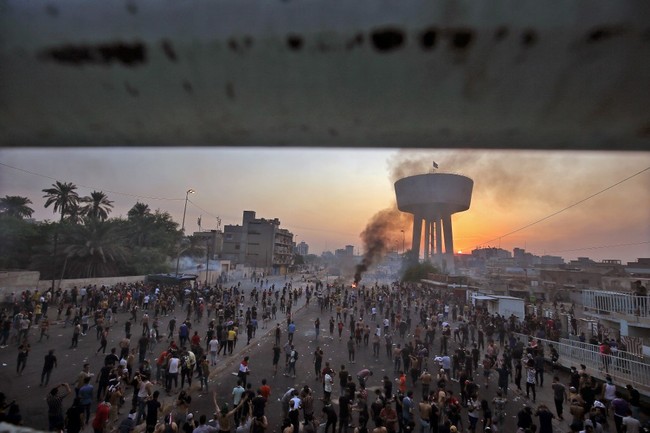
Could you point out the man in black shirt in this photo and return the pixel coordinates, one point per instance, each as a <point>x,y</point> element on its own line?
<point>345,406</point>
<point>153,410</point>
<point>111,359</point>
<point>330,414</point>
<point>258,403</point>
<point>634,400</point>
<point>48,366</point>
<point>102,380</point>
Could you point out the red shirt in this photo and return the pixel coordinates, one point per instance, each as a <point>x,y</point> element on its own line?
<point>101,416</point>
<point>402,384</point>
<point>161,359</point>
<point>266,391</point>
<point>196,340</point>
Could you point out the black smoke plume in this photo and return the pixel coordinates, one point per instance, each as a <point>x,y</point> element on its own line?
<point>384,227</point>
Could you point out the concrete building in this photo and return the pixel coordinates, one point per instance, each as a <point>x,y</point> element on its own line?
<point>302,248</point>
<point>259,243</point>
<point>547,260</point>
<point>523,258</point>
<point>432,198</point>
<point>641,267</point>
<point>213,240</point>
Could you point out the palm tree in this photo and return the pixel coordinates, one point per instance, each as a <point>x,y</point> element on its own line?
<point>98,206</point>
<point>16,206</point>
<point>74,214</point>
<point>140,221</point>
<point>139,210</point>
<point>63,196</point>
<point>95,249</point>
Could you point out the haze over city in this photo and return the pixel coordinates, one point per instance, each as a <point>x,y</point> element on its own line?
<point>594,204</point>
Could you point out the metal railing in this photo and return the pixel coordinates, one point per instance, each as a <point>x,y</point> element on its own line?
<point>621,368</point>
<point>629,356</point>
<point>602,302</point>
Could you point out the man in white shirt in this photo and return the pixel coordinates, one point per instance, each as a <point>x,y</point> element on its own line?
<point>237,393</point>
<point>327,386</point>
<point>214,347</point>
<point>172,372</point>
<point>630,424</point>
<point>294,411</point>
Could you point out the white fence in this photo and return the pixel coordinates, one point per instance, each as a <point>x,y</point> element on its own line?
<point>625,368</point>
<point>602,302</point>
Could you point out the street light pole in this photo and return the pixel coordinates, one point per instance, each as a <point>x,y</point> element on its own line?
<point>207,261</point>
<point>178,257</point>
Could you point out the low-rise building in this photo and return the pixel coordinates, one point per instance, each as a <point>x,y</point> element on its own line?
<point>259,243</point>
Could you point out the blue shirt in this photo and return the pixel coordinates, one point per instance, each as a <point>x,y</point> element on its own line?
<point>407,409</point>
<point>86,394</point>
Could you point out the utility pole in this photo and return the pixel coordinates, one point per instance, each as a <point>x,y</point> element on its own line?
<point>187,194</point>
<point>207,260</point>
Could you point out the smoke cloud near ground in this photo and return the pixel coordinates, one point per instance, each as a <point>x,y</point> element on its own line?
<point>383,230</point>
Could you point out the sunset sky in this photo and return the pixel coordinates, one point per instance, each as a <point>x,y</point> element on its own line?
<point>327,196</point>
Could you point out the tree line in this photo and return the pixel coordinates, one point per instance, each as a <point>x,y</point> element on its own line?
<point>85,242</point>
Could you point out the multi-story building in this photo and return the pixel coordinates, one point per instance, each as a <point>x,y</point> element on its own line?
<point>260,243</point>
<point>348,251</point>
<point>302,249</point>
<point>213,241</point>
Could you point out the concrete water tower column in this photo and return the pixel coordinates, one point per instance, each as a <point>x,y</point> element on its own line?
<point>432,198</point>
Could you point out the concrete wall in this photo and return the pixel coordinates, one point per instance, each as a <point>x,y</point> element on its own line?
<point>11,281</point>
<point>15,281</point>
<point>79,282</point>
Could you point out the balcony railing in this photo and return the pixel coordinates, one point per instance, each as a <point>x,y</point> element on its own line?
<point>622,367</point>
<point>601,302</point>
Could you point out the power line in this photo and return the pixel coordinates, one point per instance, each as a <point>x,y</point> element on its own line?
<point>597,247</point>
<point>200,208</point>
<point>498,238</point>
<point>91,187</point>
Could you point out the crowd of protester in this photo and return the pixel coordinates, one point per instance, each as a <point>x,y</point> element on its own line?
<point>454,366</point>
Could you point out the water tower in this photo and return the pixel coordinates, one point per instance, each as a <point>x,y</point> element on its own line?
<point>432,198</point>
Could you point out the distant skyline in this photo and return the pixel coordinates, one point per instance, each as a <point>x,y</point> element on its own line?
<point>326,196</point>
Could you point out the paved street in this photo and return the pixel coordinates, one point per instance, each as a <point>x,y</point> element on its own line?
<point>31,397</point>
